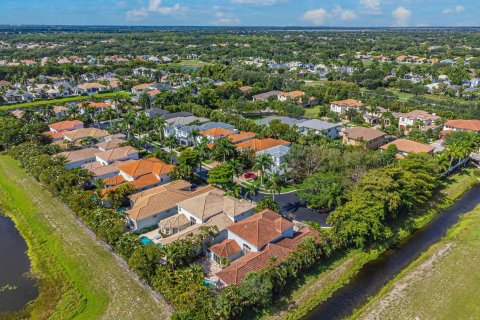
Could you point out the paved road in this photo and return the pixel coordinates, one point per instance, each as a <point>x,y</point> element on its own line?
<point>293,207</point>
<point>290,205</point>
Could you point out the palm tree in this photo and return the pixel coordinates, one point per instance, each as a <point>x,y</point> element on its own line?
<point>74,111</point>
<point>251,191</point>
<point>262,163</point>
<point>224,147</point>
<point>170,142</point>
<point>47,113</point>
<point>203,151</point>
<point>109,113</point>
<point>194,134</point>
<point>159,124</point>
<point>237,166</point>
<point>235,191</point>
<point>128,121</point>
<point>274,183</point>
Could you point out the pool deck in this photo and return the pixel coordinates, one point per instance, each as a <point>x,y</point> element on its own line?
<point>151,235</point>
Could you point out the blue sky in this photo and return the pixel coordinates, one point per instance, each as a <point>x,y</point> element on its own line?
<point>350,13</point>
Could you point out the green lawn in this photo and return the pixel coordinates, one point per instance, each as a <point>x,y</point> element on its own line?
<point>444,283</point>
<point>62,101</point>
<point>312,112</point>
<point>314,83</point>
<point>188,63</point>
<point>78,277</point>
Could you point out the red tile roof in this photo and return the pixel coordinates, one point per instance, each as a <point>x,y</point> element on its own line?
<point>409,146</point>
<point>473,125</point>
<point>261,144</point>
<point>146,166</point>
<point>65,125</point>
<point>348,103</point>
<point>257,261</point>
<point>242,136</point>
<point>217,132</point>
<point>226,248</point>
<point>261,228</point>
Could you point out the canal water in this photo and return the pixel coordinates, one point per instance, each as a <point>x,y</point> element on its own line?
<point>17,288</point>
<point>376,274</point>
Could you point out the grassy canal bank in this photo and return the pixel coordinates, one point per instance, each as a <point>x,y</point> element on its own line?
<point>321,282</point>
<point>78,277</point>
<point>443,283</point>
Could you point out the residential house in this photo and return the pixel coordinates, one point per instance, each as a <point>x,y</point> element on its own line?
<point>278,155</point>
<point>261,144</point>
<point>151,206</point>
<point>463,125</point>
<point>77,158</point>
<point>331,130</point>
<point>241,137</point>
<point>214,134</point>
<point>293,95</point>
<point>254,243</point>
<point>110,156</point>
<point>416,118</point>
<point>366,137</point>
<point>60,111</point>
<point>82,133</point>
<point>284,120</point>
<point>155,112</point>
<point>109,144</point>
<point>342,106</point>
<point>266,95</point>
<point>406,147</point>
<point>67,125</point>
<point>212,208</point>
<point>90,88</point>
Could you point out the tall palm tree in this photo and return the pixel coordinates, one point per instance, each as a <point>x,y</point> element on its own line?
<point>274,183</point>
<point>224,147</point>
<point>128,121</point>
<point>159,125</point>
<point>73,111</point>
<point>262,163</point>
<point>194,134</point>
<point>47,113</point>
<point>170,142</point>
<point>109,113</point>
<point>235,191</point>
<point>251,191</point>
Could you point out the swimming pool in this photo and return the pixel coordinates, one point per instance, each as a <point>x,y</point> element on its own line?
<point>145,240</point>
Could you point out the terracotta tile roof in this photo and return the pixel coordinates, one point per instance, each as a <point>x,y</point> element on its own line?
<point>214,202</point>
<point>144,181</point>
<point>261,144</point>
<point>245,88</point>
<point>153,92</point>
<point>348,103</point>
<point>109,144</point>
<point>161,198</point>
<point>257,261</point>
<point>473,125</point>
<point>145,166</point>
<point>92,85</point>
<point>242,136</point>
<point>98,169</point>
<point>261,228</point>
<point>65,125</point>
<point>99,105</point>
<point>84,133</point>
<point>217,132</point>
<point>113,181</point>
<point>54,135</point>
<point>367,134</point>
<point>420,114</point>
<point>252,262</point>
<point>293,94</point>
<point>226,248</point>
<point>142,86</point>
<point>409,146</point>
<point>116,154</point>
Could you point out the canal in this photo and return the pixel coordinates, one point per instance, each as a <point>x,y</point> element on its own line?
<point>376,274</point>
<point>17,288</point>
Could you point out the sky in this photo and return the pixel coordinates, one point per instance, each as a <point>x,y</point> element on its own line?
<point>323,13</point>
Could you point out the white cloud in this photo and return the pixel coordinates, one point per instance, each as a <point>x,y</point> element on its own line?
<point>402,16</point>
<point>321,16</point>
<point>258,2</point>
<point>154,6</point>
<point>223,18</point>
<point>317,16</point>
<point>457,9</point>
<point>372,7</point>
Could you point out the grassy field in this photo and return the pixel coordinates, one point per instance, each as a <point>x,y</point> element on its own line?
<point>62,101</point>
<point>444,283</point>
<point>321,282</point>
<point>188,63</point>
<point>78,277</point>
<point>312,112</point>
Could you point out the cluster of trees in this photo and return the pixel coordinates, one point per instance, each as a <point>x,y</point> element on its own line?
<point>381,197</point>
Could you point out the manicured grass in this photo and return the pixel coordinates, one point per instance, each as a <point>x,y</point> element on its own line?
<point>314,83</point>
<point>188,63</point>
<point>444,283</point>
<point>62,101</point>
<point>312,112</point>
<point>78,277</point>
<point>322,281</point>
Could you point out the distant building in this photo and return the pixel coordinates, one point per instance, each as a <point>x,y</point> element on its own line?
<point>368,138</point>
